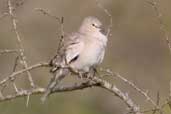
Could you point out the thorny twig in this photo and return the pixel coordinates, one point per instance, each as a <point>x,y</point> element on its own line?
<point>109,15</point>
<point>123,96</point>
<point>163,27</point>
<point>144,93</point>
<point>62,34</point>
<point>14,69</point>
<point>45,12</point>
<point>55,80</point>
<point>11,79</point>
<point>59,20</point>
<point>15,74</point>
<point>23,57</point>
<point>3,15</point>
<point>6,51</point>
<point>170,89</point>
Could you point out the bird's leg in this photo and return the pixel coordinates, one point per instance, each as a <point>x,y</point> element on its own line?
<point>93,71</point>
<point>81,75</point>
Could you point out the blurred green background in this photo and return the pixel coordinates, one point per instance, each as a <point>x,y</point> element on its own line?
<point>137,50</point>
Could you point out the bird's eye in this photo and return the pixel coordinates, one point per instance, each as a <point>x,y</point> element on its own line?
<point>93,25</point>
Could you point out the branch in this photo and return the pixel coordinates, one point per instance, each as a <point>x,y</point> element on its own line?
<point>123,96</point>
<point>36,91</point>
<point>94,81</point>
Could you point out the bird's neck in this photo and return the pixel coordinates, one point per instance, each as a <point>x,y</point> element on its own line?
<point>96,37</point>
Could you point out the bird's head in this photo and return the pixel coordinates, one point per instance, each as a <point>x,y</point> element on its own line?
<point>90,25</point>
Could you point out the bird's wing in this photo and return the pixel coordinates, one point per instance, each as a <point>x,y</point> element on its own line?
<point>70,51</point>
<point>73,48</point>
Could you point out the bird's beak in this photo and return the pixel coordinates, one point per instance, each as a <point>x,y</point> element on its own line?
<point>103,30</point>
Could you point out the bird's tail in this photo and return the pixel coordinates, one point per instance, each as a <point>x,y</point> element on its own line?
<point>56,63</point>
<point>56,79</point>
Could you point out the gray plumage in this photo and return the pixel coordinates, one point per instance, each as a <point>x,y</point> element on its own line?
<point>81,51</point>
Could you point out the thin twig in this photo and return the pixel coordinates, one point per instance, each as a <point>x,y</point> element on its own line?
<point>19,3</point>
<point>1,95</point>
<point>14,69</point>
<point>3,87</point>
<point>7,51</point>
<point>157,102</point>
<point>3,15</point>
<point>169,99</point>
<point>170,89</point>
<point>47,13</point>
<point>27,101</point>
<point>123,96</point>
<point>59,20</point>
<point>163,27</point>
<point>144,93</point>
<point>109,15</point>
<point>23,57</point>
<point>61,41</point>
<point>56,79</point>
<point>158,98</point>
<point>13,75</point>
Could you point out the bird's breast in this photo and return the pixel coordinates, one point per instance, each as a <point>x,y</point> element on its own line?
<point>92,53</point>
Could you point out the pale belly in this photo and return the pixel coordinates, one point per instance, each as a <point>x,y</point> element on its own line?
<point>89,57</point>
